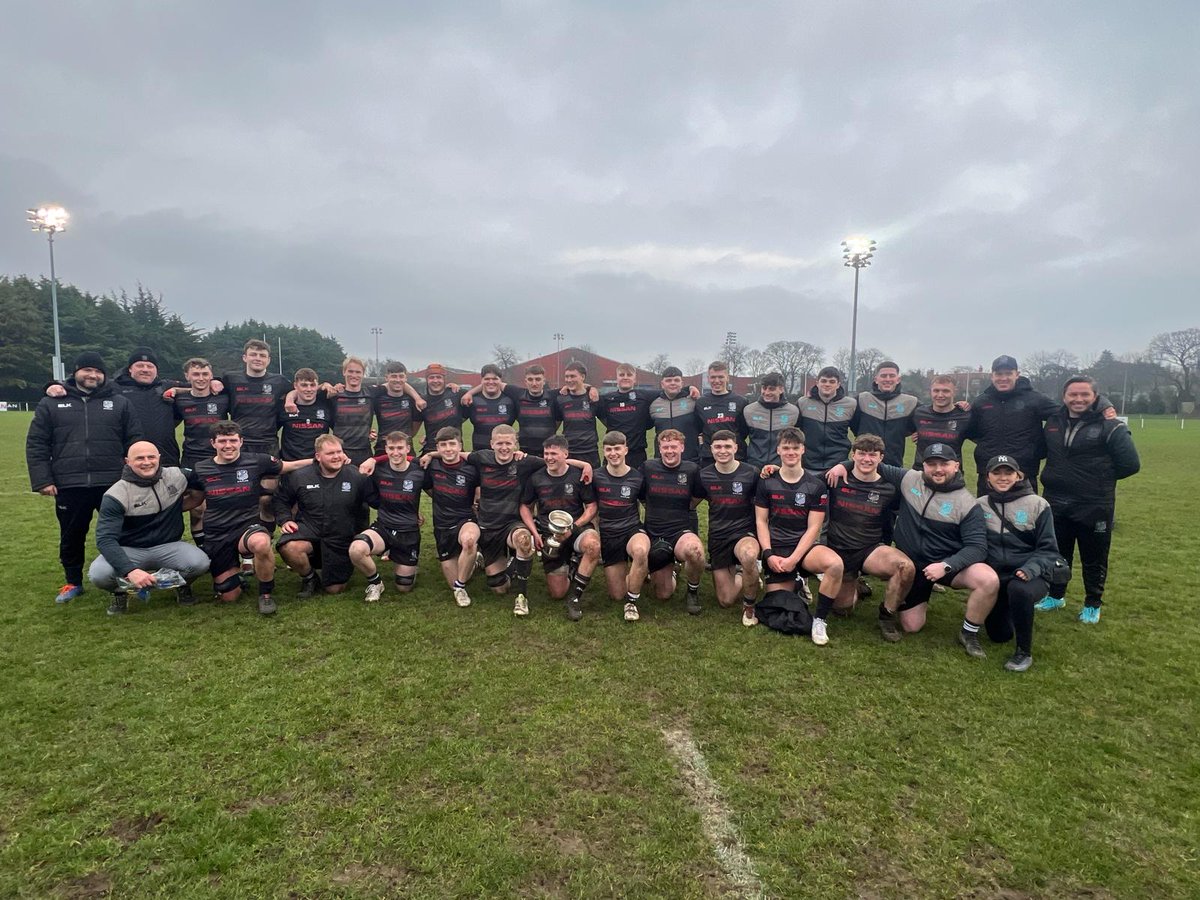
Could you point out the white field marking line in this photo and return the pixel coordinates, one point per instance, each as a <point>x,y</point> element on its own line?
<point>714,817</point>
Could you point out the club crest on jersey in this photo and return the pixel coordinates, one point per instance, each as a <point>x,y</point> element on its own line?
<point>681,478</point>
<point>408,485</point>
<point>502,409</point>
<point>345,487</point>
<point>404,403</point>
<point>266,388</point>
<point>732,406</point>
<point>362,401</point>
<point>460,480</point>
<point>801,499</point>
<point>512,470</point>
<point>587,404</point>
<point>840,412</point>
<point>946,508</point>
<point>626,492</point>
<point>320,414</point>
<point>737,487</point>
<point>108,404</point>
<point>568,489</point>
<point>212,409</point>
<point>899,407</point>
<point>243,475</point>
<point>873,497</point>
<point>1022,517</point>
<point>542,403</point>
<point>952,425</point>
<point>783,418</point>
<point>633,395</point>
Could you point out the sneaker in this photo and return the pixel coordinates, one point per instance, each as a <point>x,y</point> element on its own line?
<point>247,565</point>
<point>1047,604</point>
<point>890,629</point>
<point>1090,615</point>
<point>863,589</point>
<point>68,592</point>
<point>478,562</point>
<point>374,592</point>
<point>266,606</point>
<point>631,612</point>
<point>520,606</point>
<point>970,643</point>
<point>574,609</point>
<point>185,596</point>
<point>309,585</point>
<point>749,619</point>
<point>1020,661</point>
<point>803,589</point>
<point>119,605</point>
<point>461,597</point>
<point>939,588</point>
<point>693,603</point>
<point>820,634</point>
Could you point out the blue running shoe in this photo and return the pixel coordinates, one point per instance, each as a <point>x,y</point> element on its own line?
<point>68,592</point>
<point>1046,604</point>
<point>1090,615</point>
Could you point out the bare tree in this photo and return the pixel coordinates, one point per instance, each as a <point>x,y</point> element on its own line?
<point>1048,369</point>
<point>693,365</point>
<point>504,356</point>
<point>657,364</point>
<point>735,356</point>
<point>1179,352</point>
<point>793,360</point>
<point>866,359</point>
<point>755,363</point>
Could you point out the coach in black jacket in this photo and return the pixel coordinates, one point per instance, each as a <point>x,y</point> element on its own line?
<point>75,451</point>
<point>1087,454</point>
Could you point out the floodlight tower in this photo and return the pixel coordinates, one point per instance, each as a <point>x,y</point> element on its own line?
<point>856,253</point>
<point>51,220</point>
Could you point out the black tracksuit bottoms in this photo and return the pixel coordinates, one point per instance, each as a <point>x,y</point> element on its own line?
<point>1013,612</point>
<point>74,508</point>
<point>1093,533</point>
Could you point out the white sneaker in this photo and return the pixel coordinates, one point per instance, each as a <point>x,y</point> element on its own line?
<point>631,612</point>
<point>749,619</point>
<point>374,592</point>
<point>520,606</point>
<point>820,636</point>
<point>461,597</point>
<point>939,588</point>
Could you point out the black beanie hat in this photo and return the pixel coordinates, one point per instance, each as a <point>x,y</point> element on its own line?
<point>142,354</point>
<point>90,359</point>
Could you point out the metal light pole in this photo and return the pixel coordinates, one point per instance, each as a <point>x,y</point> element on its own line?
<point>52,219</point>
<point>377,332</point>
<point>856,253</point>
<point>558,337</point>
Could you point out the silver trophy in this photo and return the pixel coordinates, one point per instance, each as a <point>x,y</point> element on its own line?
<point>561,524</point>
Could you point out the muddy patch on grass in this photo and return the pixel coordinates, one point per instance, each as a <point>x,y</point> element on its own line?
<point>266,801</point>
<point>129,831</point>
<point>561,840</point>
<point>374,875</point>
<point>94,884</point>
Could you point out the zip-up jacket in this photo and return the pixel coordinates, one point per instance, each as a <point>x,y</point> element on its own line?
<point>763,421</point>
<point>156,418</point>
<point>937,523</point>
<point>718,412</point>
<point>141,512</point>
<point>677,412</point>
<point>826,428</point>
<point>1086,457</point>
<point>328,506</point>
<point>1020,531</point>
<point>79,440</point>
<point>887,414</point>
<point>1010,423</point>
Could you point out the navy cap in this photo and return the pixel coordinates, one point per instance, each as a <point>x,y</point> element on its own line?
<point>1003,363</point>
<point>940,451</point>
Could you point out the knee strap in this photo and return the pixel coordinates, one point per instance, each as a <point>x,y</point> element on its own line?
<point>405,580</point>
<point>366,540</point>
<point>497,580</point>
<point>230,584</point>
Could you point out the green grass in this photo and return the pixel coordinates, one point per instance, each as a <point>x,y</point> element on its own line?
<point>415,749</point>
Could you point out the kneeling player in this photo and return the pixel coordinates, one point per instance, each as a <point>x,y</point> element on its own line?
<point>791,506</point>
<point>670,492</point>
<point>397,529</point>
<point>860,505</point>
<point>624,545</point>
<point>729,486</point>
<point>560,487</point>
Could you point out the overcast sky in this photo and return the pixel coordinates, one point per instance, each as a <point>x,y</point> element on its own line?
<point>642,177</point>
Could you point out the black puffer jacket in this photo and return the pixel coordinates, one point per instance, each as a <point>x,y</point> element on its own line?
<point>80,440</point>
<point>1086,457</point>
<point>156,416</point>
<point>1010,423</point>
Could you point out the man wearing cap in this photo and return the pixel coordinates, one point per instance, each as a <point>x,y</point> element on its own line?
<point>1087,455</point>
<point>887,411</point>
<point>140,528</point>
<point>765,418</point>
<point>75,450</point>
<point>943,532</point>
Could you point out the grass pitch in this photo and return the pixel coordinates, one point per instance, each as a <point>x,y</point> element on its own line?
<point>413,748</point>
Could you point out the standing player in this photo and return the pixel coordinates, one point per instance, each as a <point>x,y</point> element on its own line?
<point>537,413</point>
<point>397,406</point>
<point>397,529</point>
<point>887,411</point>
<point>733,551</point>
<point>862,505</point>
<point>317,507</point>
<point>559,486</point>
<point>232,482</point>
<point>489,404</point>
<point>443,406</point>
<point>627,410</point>
<point>353,411</point>
<point>313,416</point>
<point>719,409</point>
<point>670,492</point>
<point>942,421</point>
<point>675,410</point>
<point>577,412</point>
<point>623,540</point>
<point>765,418</point>
<point>825,415</point>
<point>453,483</point>
<point>791,505</point>
<point>199,409</point>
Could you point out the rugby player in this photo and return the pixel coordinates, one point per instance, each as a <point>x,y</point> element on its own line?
<point>537,413</point>
<point>887,411</point>
<point>490,403</point>
<point>577,411</point>
<point>627,410</point>
<point>670,493</point>
<point>674,409</point>
<point>941,421</point>
<point>453,484</point>
<point>397,406</point>
<point>733,550</point>
<point>443,406</point>
<point>624,544</point>
<point>558,486</point>
<point>396,530</point>
<point>719,409</point>
<point>199,409</point>
<point>825,416</point>
<point>765,418</point>
<point>790,507</point>
<point>312,415</point>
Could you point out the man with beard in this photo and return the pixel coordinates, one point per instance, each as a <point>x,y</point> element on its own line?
<point>887,411</point>
<point>140,527</point>
<point>1087,455</point>
<point>75,450</point>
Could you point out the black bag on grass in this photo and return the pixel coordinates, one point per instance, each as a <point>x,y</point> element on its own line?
<point>784,611</point>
